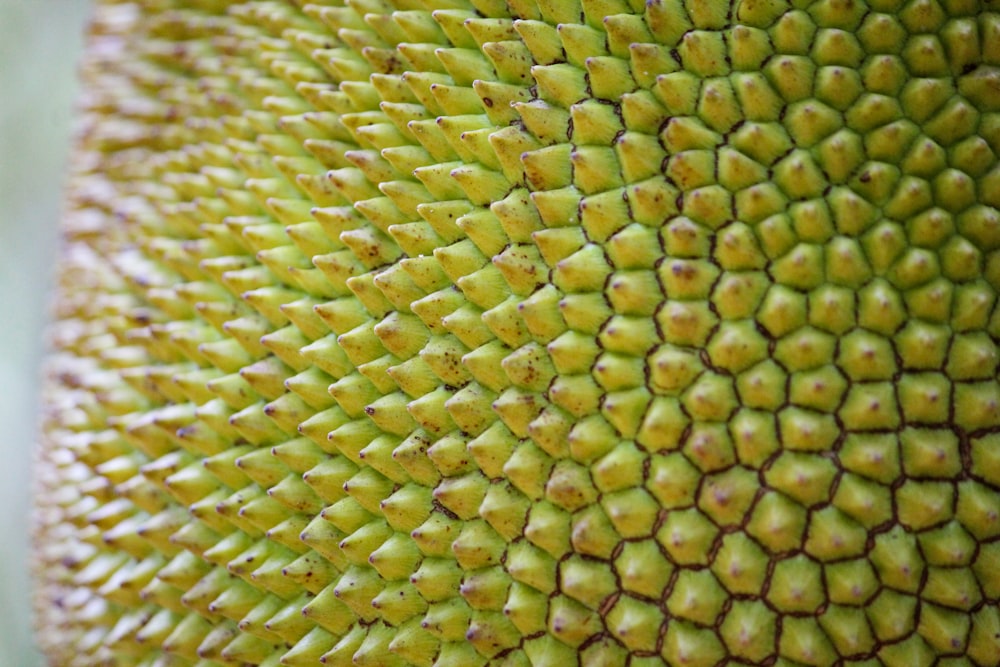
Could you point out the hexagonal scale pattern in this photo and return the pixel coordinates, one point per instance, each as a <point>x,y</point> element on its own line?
<point>485,332</point>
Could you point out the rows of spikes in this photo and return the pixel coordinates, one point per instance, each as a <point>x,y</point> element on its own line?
<point>602,332</point>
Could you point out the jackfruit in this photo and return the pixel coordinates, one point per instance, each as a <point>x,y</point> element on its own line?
<point>527,332</point>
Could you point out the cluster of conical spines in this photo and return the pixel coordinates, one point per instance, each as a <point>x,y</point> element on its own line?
<point>406,312</point>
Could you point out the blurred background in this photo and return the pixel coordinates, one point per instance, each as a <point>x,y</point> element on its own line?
<point>40,42</point>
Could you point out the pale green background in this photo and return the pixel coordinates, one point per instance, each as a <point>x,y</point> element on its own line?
<point>40,42</point>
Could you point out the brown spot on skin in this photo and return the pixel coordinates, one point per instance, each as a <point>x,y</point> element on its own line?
<point>683,271</point>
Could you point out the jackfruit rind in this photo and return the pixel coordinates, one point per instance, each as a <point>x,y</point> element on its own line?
<point>527,333</point>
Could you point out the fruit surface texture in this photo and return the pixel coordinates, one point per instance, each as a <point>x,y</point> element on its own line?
<point>527,333</point>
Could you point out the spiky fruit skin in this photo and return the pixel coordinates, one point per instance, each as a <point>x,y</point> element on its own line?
<point>606,332</point>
